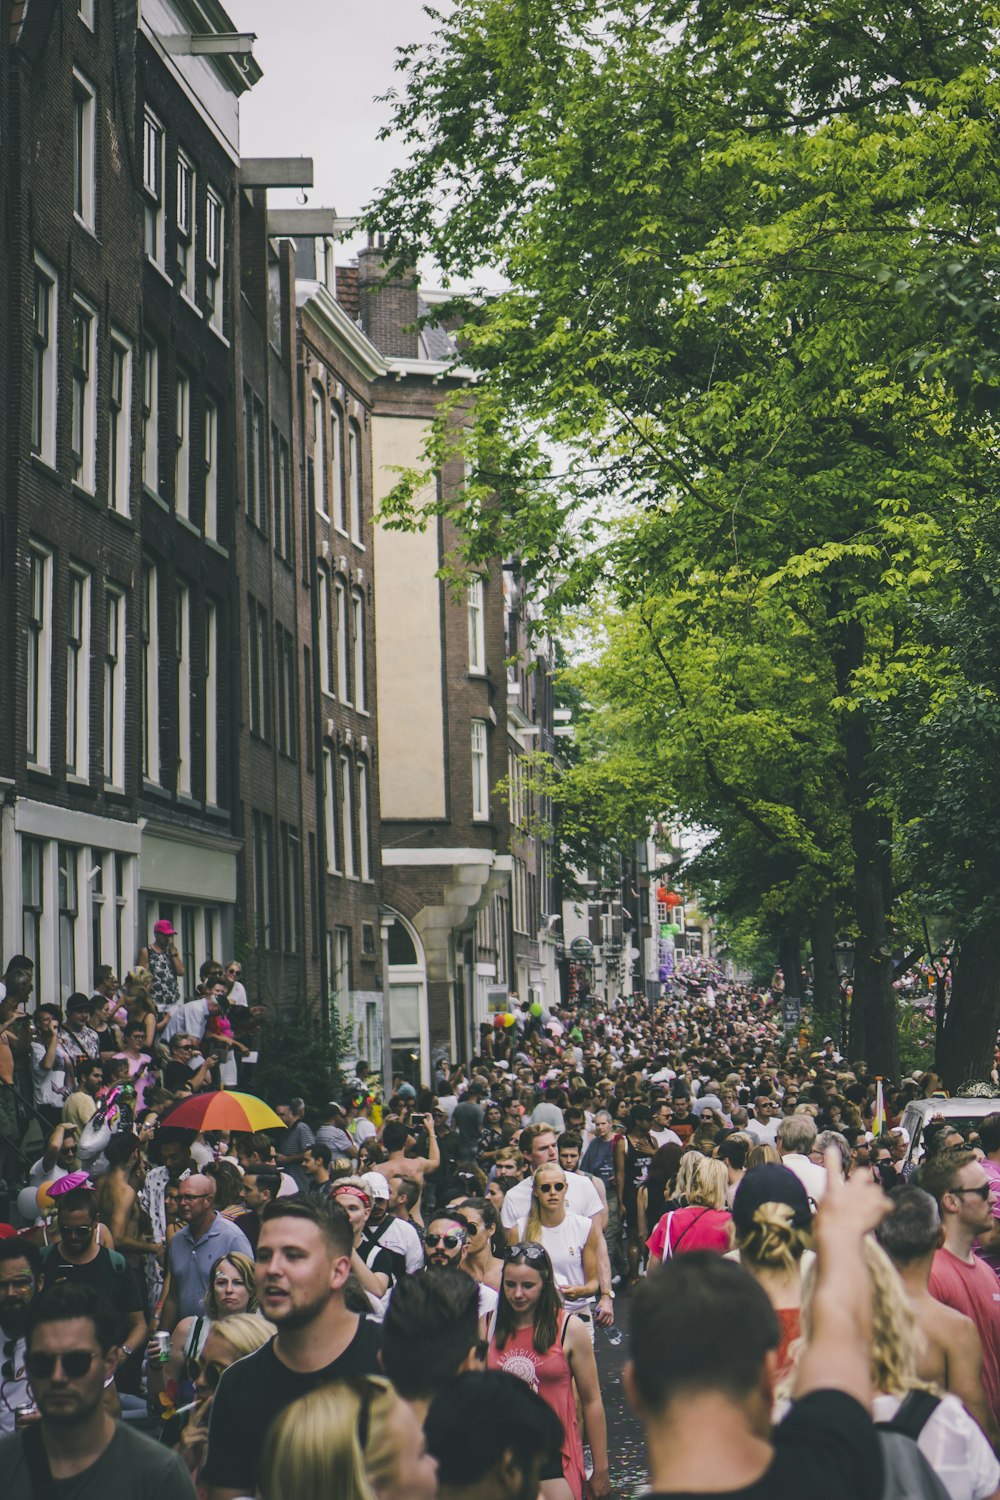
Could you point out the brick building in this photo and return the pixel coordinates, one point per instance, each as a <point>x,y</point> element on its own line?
<point>120,148</point>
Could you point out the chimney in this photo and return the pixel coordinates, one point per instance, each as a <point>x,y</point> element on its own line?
<point>388,308</point>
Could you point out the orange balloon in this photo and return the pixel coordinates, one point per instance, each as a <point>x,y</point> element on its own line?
<point>44,1199</point>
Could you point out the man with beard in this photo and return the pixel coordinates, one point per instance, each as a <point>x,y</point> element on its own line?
<point>20,1274</point>
<point>446,1243</point>
<point>303,1262</point>
<point>77,1447</point>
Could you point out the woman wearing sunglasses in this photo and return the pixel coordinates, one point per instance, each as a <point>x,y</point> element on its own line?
<point>570,1240</point>
<point>232,1339</point>
<point>536,1339</point>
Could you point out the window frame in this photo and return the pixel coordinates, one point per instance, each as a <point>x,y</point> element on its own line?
<point>150,415</point>
<point>210,515</point>
<point>78,656</point>
<point>149,637</point>
<point>45,368</point>
<point>120,425</point>
<point>355,480</point>
<point>83,405</point>
<point>475,603</point>
<point>182,441</point>
<point>186,223</point>
<point>182,649</point>
<point>153,161</point>
<point>39,621</point>
<point>215,257</point>
<point>479,748</point>
<point>359,650</point>
<point>84,151</point>
<point>114,688</point>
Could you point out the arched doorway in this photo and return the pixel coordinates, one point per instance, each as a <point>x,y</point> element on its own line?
<point>409,1035</point>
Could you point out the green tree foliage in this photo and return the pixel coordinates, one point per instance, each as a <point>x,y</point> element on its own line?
<point>732,237</point>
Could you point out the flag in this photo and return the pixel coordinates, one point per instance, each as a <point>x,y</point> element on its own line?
<point>878,1124</point>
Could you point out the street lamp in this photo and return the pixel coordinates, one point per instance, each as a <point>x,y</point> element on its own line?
<point>843,958</point>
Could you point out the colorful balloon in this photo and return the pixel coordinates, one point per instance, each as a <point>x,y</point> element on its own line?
<point>535,1008</point>
<point>508,1019</point>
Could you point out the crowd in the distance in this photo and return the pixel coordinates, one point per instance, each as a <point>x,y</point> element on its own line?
<point>409,1291</point>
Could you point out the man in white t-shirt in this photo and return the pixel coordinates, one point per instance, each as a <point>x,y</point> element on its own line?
<point>661,1132</point>
<point>796,1140</point>
<point>764,1125</point>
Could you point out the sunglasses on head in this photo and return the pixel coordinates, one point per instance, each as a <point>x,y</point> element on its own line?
<point>449,1241</point>
<point>75,1363</point>
<point>527,1250</point>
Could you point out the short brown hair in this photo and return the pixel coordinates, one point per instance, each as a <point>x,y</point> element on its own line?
<point>939,1174</point>
<point>530,1134</point>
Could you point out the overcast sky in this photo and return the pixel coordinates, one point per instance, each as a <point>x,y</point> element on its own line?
<point>324,62</point>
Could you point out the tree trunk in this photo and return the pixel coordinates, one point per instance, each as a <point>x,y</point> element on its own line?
<point>826,987</point>
<point>790,959</point>
<point>970,1030</point>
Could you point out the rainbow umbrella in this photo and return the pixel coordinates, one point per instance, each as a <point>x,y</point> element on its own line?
<point>223,1109</point>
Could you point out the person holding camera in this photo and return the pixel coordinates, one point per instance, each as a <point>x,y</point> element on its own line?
<point>164,963</point>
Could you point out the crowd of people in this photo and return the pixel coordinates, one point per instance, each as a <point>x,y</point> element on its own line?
<point>405,1291</point>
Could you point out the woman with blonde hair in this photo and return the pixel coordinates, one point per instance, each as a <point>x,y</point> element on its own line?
<point>232,1339</point>
<point>705,1223</point>
<point>349,1440</point>
<point>949,1439</point>
<point>570,1239</point>
<point>762,1155</point>
<point>771,1225</point>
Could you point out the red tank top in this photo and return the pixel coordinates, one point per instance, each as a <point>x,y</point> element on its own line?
<point>550,1377</point>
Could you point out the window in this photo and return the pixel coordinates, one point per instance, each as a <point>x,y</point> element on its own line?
<point>326,681</point>
<point>477,641</point>
<point>480,771</point>
<point>256,459</point>
<point>78,675</point>
<point>291,887</point>
<point>337,467</point>
<point>150,416</point>
<point>186,181</point>
<point>84,407</point>
<point>150,648</point>
<point>319,449</point>
<point>260,670</point>
<point>215,229</point>
<point>32,907</point>
<point>69,910</point>
<point>343,644</point>
<point>330,813</point>
<point>281,489</point>
<point>95,879</point>
<point>211,469</point>
<point>43,366</point>
<point>84,151</point>
<point>307,699</point>
<point>119,423</point>
<point>358,631</point>
<point>183,652</point>
<point>39,657</point>
<point>182,457</point>
<point>347,815</point>
<point>114,690</point>
<point>152,183</point>
<point>340,968</point>
<point>263,879</point>
<point>364,824</point>
<point>284,670</point>
<point>357,493</point>
<point>211,705</point>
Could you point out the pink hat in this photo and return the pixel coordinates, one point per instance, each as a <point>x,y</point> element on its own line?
<point>164,929</point>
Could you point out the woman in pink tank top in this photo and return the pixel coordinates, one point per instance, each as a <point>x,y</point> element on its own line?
<point>535,1339</point>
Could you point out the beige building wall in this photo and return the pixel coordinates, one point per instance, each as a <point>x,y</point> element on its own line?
<point>407,640</point>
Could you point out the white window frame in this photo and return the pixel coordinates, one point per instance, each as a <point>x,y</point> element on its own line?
<point>330,812</point>
<point>182,622</point>
<point>182,455</point>
<point>151,416</point>
<point>364,823</point>
<point>38,694</point>
<point>215,251</point>
<point>115,625</point>
<point>326,680</point>
<point>355,479</point>
<point>360,649</point>
<point>84,151</point>
<point>319,449</point>
<point>342,642</point>
<point>120,424</point>
<point>211,705</point>
<point>480,771</point>
<point>477,627</point>
<point>45,370</point>
<point>211,523</point>
<point>85,10</point>
<point>263,875</point>
<point>149,635</point>
<point>337,467</point>
<point>83,406</point>
<point>186,209</point>
<point>153,148</point>
<point>347,815</point>
<point>78,675</point>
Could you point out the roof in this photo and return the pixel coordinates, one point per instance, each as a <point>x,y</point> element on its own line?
<point>435,342</point>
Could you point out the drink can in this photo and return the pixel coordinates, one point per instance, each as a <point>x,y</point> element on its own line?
<point>162,1342</point>
<point>25,1415</point>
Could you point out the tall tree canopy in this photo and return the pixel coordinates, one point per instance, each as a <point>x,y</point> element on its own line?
<point>749,256</point>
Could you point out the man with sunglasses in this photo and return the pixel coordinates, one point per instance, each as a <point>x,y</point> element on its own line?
<point>446,1243</point>
<point>71,1353</point>
<point>20,1274</point>
<point>959,1279</point>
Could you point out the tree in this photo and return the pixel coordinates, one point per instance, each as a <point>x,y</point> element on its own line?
<point>722,230</point>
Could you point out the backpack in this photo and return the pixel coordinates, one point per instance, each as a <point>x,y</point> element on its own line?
<point>908,1475</point>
